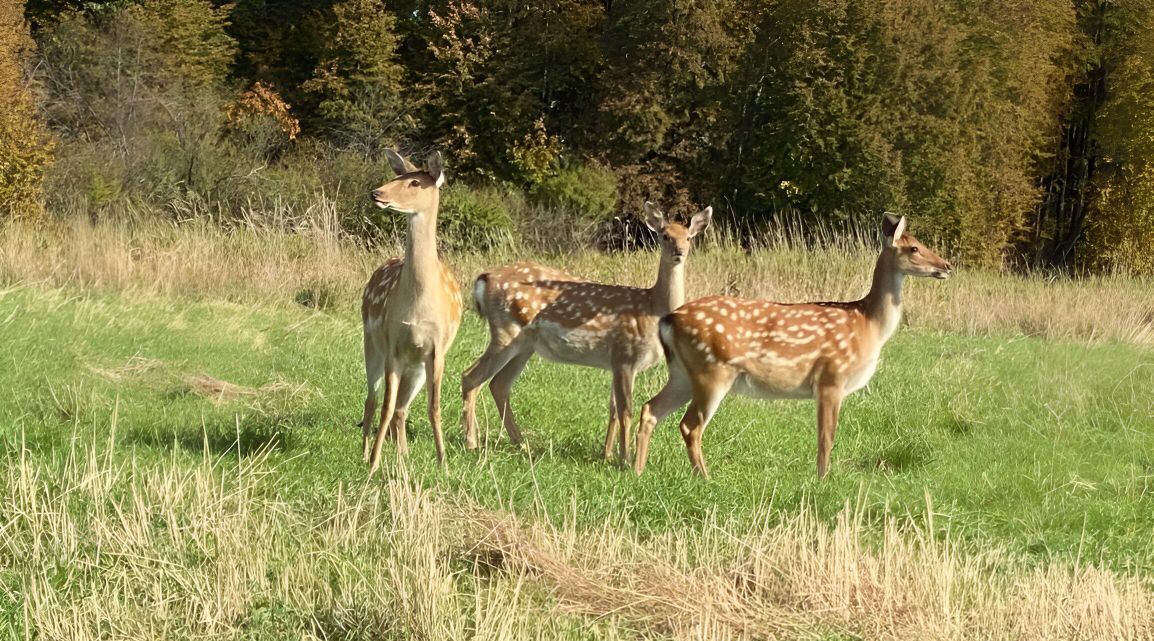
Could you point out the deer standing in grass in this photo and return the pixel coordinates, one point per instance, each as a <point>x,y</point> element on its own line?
<point>573,321</point>
<point>823,351</point>
<point>499,299</point>
<point>411,311</point>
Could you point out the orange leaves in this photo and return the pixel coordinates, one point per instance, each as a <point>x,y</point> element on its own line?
<point>262,100</point>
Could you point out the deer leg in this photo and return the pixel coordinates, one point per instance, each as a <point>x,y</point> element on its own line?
<point>625,412</point>
<point>611,429</point>
<point>706,398</point>
<point>829,399</point>
<point>411,381</point>
<point>692,426</point>
<point>392,382</point>
<point>677,392</point>
<point>501,387</point>
<point>374,372</point>
<point>471,381</point>
<point>400,417</point>
<point>434,370</point>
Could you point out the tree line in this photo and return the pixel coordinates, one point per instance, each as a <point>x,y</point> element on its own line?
<point>1017,133</point>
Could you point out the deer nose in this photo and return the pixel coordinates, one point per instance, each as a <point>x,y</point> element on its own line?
<point>376,194</point>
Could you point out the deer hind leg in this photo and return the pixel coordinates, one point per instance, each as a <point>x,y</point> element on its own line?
<point>471,382</point>
<point>676,393</point>
<point>434,371</point>
<point>496,357</point>
<point>502,388</point>
<point>614,425</point>
<point>829,398</point>
<point>374,372</point>
<point>392,382</point>
<point>708,391</point>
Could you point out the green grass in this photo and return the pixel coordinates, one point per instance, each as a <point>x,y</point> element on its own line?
<point>1045,449</point>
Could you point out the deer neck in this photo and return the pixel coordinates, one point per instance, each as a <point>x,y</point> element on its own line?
<point>883,304</point>
<point>668,293</point>
<point>422,267</point>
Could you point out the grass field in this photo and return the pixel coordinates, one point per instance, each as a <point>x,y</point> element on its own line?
<point>180,461</point>
<point>1007,455</point>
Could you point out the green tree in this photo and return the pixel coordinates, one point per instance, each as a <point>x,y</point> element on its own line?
<point>1120,231</point>
<point>493,75</point>
<point>136,94</point>
<point>663,97</point>
<point>356,87</point>
<point>942,110</point>
<point>189,38</point>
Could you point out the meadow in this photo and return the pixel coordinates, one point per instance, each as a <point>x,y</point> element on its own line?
<point>180,460</point>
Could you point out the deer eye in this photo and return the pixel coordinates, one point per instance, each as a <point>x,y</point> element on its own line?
<point>913,250</point>
<point>415,183</point>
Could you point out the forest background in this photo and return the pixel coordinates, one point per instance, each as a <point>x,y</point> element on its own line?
<point>1019,134</point>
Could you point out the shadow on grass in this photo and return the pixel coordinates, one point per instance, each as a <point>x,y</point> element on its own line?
<point>897,457</point>
<point>584,449</point>
<point>252,436</point>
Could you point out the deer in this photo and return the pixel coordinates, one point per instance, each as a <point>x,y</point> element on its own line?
<point>497,297</point>
<point>574,321</point>
<point>823,351</point>
<point>411,309</point>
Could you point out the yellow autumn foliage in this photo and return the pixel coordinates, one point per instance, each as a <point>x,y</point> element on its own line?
<point>25,147</point>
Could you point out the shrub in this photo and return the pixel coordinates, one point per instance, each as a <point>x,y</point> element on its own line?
<point>261,119</point>
<point>475,217</point>
<point>587,192</point>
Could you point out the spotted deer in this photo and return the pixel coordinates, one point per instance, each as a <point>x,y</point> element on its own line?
<point>822,351</point>
<point>498,298</point>
<point>573,321</point>
<point>411,310</point>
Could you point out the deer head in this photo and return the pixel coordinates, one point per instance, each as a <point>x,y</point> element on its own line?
<point>412,191</point>
<point>907,254</point>
<point>674,237</point>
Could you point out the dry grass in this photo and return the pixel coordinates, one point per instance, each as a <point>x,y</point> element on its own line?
<point>313,263</point>
<point>103,546</point>
<point>214,389</point>
<point>802,579</point>
<point>221,391</point>
<point>134,367</point>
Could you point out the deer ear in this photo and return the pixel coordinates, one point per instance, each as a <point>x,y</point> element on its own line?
<point>654,217</point>
<point>399,163</point>
<point>700,221</point>
<point>893,226</point>
<point>435,165</point>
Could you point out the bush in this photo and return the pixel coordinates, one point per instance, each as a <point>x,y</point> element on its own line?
<point>588,192</point>
<point>476,217</point>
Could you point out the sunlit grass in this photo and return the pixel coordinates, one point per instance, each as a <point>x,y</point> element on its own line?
<point>177,426</point>
<point>969,480</point>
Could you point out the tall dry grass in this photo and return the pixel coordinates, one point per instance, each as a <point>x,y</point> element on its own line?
<point>101,545</point>
<point>308,259</point>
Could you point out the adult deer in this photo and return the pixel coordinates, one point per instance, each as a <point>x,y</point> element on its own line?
<point>611,327</point>
<point>770,350</point>
<point>411,310</point>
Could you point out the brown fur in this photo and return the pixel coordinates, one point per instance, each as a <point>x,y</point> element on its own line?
<point>495,299</point>
<point>411,310</point>
<point>569,320</point>
<point>775,350</point>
